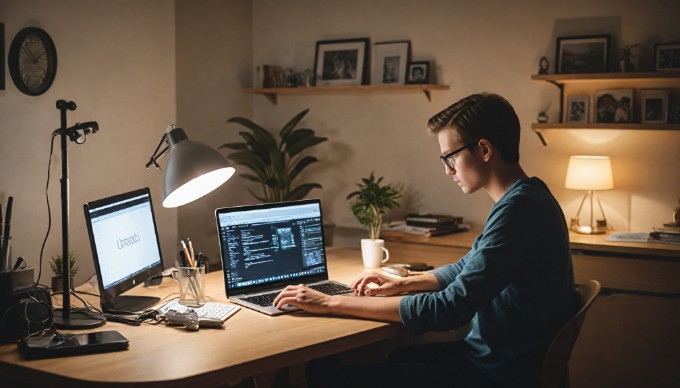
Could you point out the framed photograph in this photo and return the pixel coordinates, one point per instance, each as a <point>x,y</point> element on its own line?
<point>674,109</point>
<point>653,106</point>
<point>418,72</point>
<point>583,54</point>
<point>577,109</point>
<point>389,62</point>
<point>614,106</point>
<point>341,62</point>
<point>667,56</point>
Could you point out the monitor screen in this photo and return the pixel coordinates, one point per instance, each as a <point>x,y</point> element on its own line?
<point>125,247</point>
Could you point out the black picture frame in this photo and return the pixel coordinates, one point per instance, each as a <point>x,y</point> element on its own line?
<point>2,55</point>
<point>341,62</point>
<point>614,106</point>
<point>418,72</point>
<point>667,56</point>
<point>582,54</point>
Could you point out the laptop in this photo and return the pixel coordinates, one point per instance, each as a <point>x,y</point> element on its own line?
<point>266,247</point>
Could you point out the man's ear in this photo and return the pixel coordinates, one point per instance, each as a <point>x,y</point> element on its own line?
<point>486,149</point>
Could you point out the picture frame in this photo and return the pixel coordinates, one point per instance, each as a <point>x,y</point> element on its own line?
<point>673,109</point>
<point>582,54</point>
<point>667,56</point>
<point>614,106</point>
<point>418,72</point>
<point>653,106</point>
<point>2,55</point>
<point>390,60</point>
<point>341,62</point>
<point>577,109</point>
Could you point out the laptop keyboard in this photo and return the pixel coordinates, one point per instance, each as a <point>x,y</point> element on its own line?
<point>327,288</point>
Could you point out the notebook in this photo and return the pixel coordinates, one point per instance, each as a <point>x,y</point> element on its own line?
<point>266,247</point>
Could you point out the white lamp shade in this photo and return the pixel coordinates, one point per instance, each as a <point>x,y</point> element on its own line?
<point>589,173</point>
<point>193,170</point>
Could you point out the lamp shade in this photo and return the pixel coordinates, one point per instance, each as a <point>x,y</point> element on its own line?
<point>589,173</point>
<point>193,170</point>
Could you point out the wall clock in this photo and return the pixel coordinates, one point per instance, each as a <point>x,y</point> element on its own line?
<point>32,61</point>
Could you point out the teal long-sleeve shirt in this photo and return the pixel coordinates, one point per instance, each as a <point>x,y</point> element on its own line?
<point>515,286</point>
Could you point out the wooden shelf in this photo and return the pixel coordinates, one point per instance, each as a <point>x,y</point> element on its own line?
<point>607,126</point>
<point>272,93</point>
<point>588,77</point>
<point>561,80</point>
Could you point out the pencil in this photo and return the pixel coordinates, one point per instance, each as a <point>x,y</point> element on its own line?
<point>191,250</point>
<point>4,262</point>
<point>186,252</point>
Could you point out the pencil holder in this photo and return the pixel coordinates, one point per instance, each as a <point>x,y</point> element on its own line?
<point>191,282</point>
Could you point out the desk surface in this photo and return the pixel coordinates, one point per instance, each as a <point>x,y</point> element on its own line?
<point>250,343</point>
<point>585,242</point>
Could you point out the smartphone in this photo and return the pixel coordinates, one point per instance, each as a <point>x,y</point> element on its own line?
<point>61,345</point>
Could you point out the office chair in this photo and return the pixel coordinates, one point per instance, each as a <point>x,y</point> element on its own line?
<point>556,362</point>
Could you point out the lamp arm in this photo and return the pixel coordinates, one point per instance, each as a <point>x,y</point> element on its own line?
<point>157,155</point>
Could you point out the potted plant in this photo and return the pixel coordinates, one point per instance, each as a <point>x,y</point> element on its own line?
<point>57,267</point>
<point>275,164</point>
<point>369,205</point>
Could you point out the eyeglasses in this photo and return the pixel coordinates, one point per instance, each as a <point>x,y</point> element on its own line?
<point>448,158</point>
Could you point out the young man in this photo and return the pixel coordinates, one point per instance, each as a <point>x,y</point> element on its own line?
<point>515,286</point>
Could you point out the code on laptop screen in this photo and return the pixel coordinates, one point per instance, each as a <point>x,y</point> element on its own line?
<point>268,245</point>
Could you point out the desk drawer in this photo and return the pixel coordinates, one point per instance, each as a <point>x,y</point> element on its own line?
<point>629,274</point>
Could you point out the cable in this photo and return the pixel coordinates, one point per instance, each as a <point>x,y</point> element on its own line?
<point>49,211</point>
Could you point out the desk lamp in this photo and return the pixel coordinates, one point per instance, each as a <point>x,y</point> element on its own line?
<point>589,173</point>
<point>193,170</point>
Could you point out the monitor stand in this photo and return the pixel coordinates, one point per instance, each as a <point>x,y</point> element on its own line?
<point>133,303</point>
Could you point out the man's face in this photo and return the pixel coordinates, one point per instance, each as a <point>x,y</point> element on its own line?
<point>464,166</point>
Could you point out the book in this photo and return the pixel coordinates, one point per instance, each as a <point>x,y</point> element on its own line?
<point>403,227</point>
<point>430,218</point>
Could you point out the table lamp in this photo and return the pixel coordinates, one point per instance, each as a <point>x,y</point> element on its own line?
<point>589,173</point>
<point>193,170</point>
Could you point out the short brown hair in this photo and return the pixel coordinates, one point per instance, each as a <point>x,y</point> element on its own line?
<point>482,115</point>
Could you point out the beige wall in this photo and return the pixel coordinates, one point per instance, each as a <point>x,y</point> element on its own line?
<point>116,60</point>
<point>476,46</point>
<point>136,66</point>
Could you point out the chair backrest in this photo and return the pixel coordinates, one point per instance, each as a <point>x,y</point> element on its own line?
<point>556,362</point>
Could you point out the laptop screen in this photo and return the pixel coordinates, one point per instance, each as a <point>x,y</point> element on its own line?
<point>124,241</point>
<point>271,244</point>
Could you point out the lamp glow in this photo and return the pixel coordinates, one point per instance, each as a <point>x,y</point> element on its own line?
<point>193,170</point>
<point>589,173</point>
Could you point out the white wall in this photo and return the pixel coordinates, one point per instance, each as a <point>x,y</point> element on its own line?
<point>489,45</point>
<point>116,60</point>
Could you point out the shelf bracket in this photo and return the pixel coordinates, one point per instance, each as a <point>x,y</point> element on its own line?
<point>271,97</point>
<point>540,136</point>
<point>560,86</point>
<point>427,94</point>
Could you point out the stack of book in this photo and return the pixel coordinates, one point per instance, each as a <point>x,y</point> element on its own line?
<point>668,233</point>
<point>429,224</point>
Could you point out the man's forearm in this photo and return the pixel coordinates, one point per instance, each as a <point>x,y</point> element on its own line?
<point>372,307</point>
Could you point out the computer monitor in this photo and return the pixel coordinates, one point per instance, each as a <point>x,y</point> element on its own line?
<point>125,248</point>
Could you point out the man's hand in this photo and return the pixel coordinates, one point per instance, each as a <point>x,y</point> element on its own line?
<point>305,298</point>
<point>386,285</point>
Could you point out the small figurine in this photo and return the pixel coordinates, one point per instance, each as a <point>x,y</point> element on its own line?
<point>627,58</point>
<point>542,115</point>
<point>543,66</point>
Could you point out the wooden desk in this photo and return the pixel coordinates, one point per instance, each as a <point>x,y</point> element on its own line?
<point>250,343</point>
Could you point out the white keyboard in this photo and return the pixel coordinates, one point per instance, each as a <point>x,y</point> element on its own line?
<point>210,314</point>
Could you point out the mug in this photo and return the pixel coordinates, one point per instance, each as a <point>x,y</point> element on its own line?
<point>374,252</point>
<point>191,285</point>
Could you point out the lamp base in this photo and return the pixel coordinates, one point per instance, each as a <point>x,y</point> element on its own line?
<point>77,320</point>
<point>599,228</point>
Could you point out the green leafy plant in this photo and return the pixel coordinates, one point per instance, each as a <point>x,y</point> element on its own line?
<point>275,165</point>
<point>372,201</point>
<point>57,265</point>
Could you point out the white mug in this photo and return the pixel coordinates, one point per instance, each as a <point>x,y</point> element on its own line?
<point>374,252</point>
